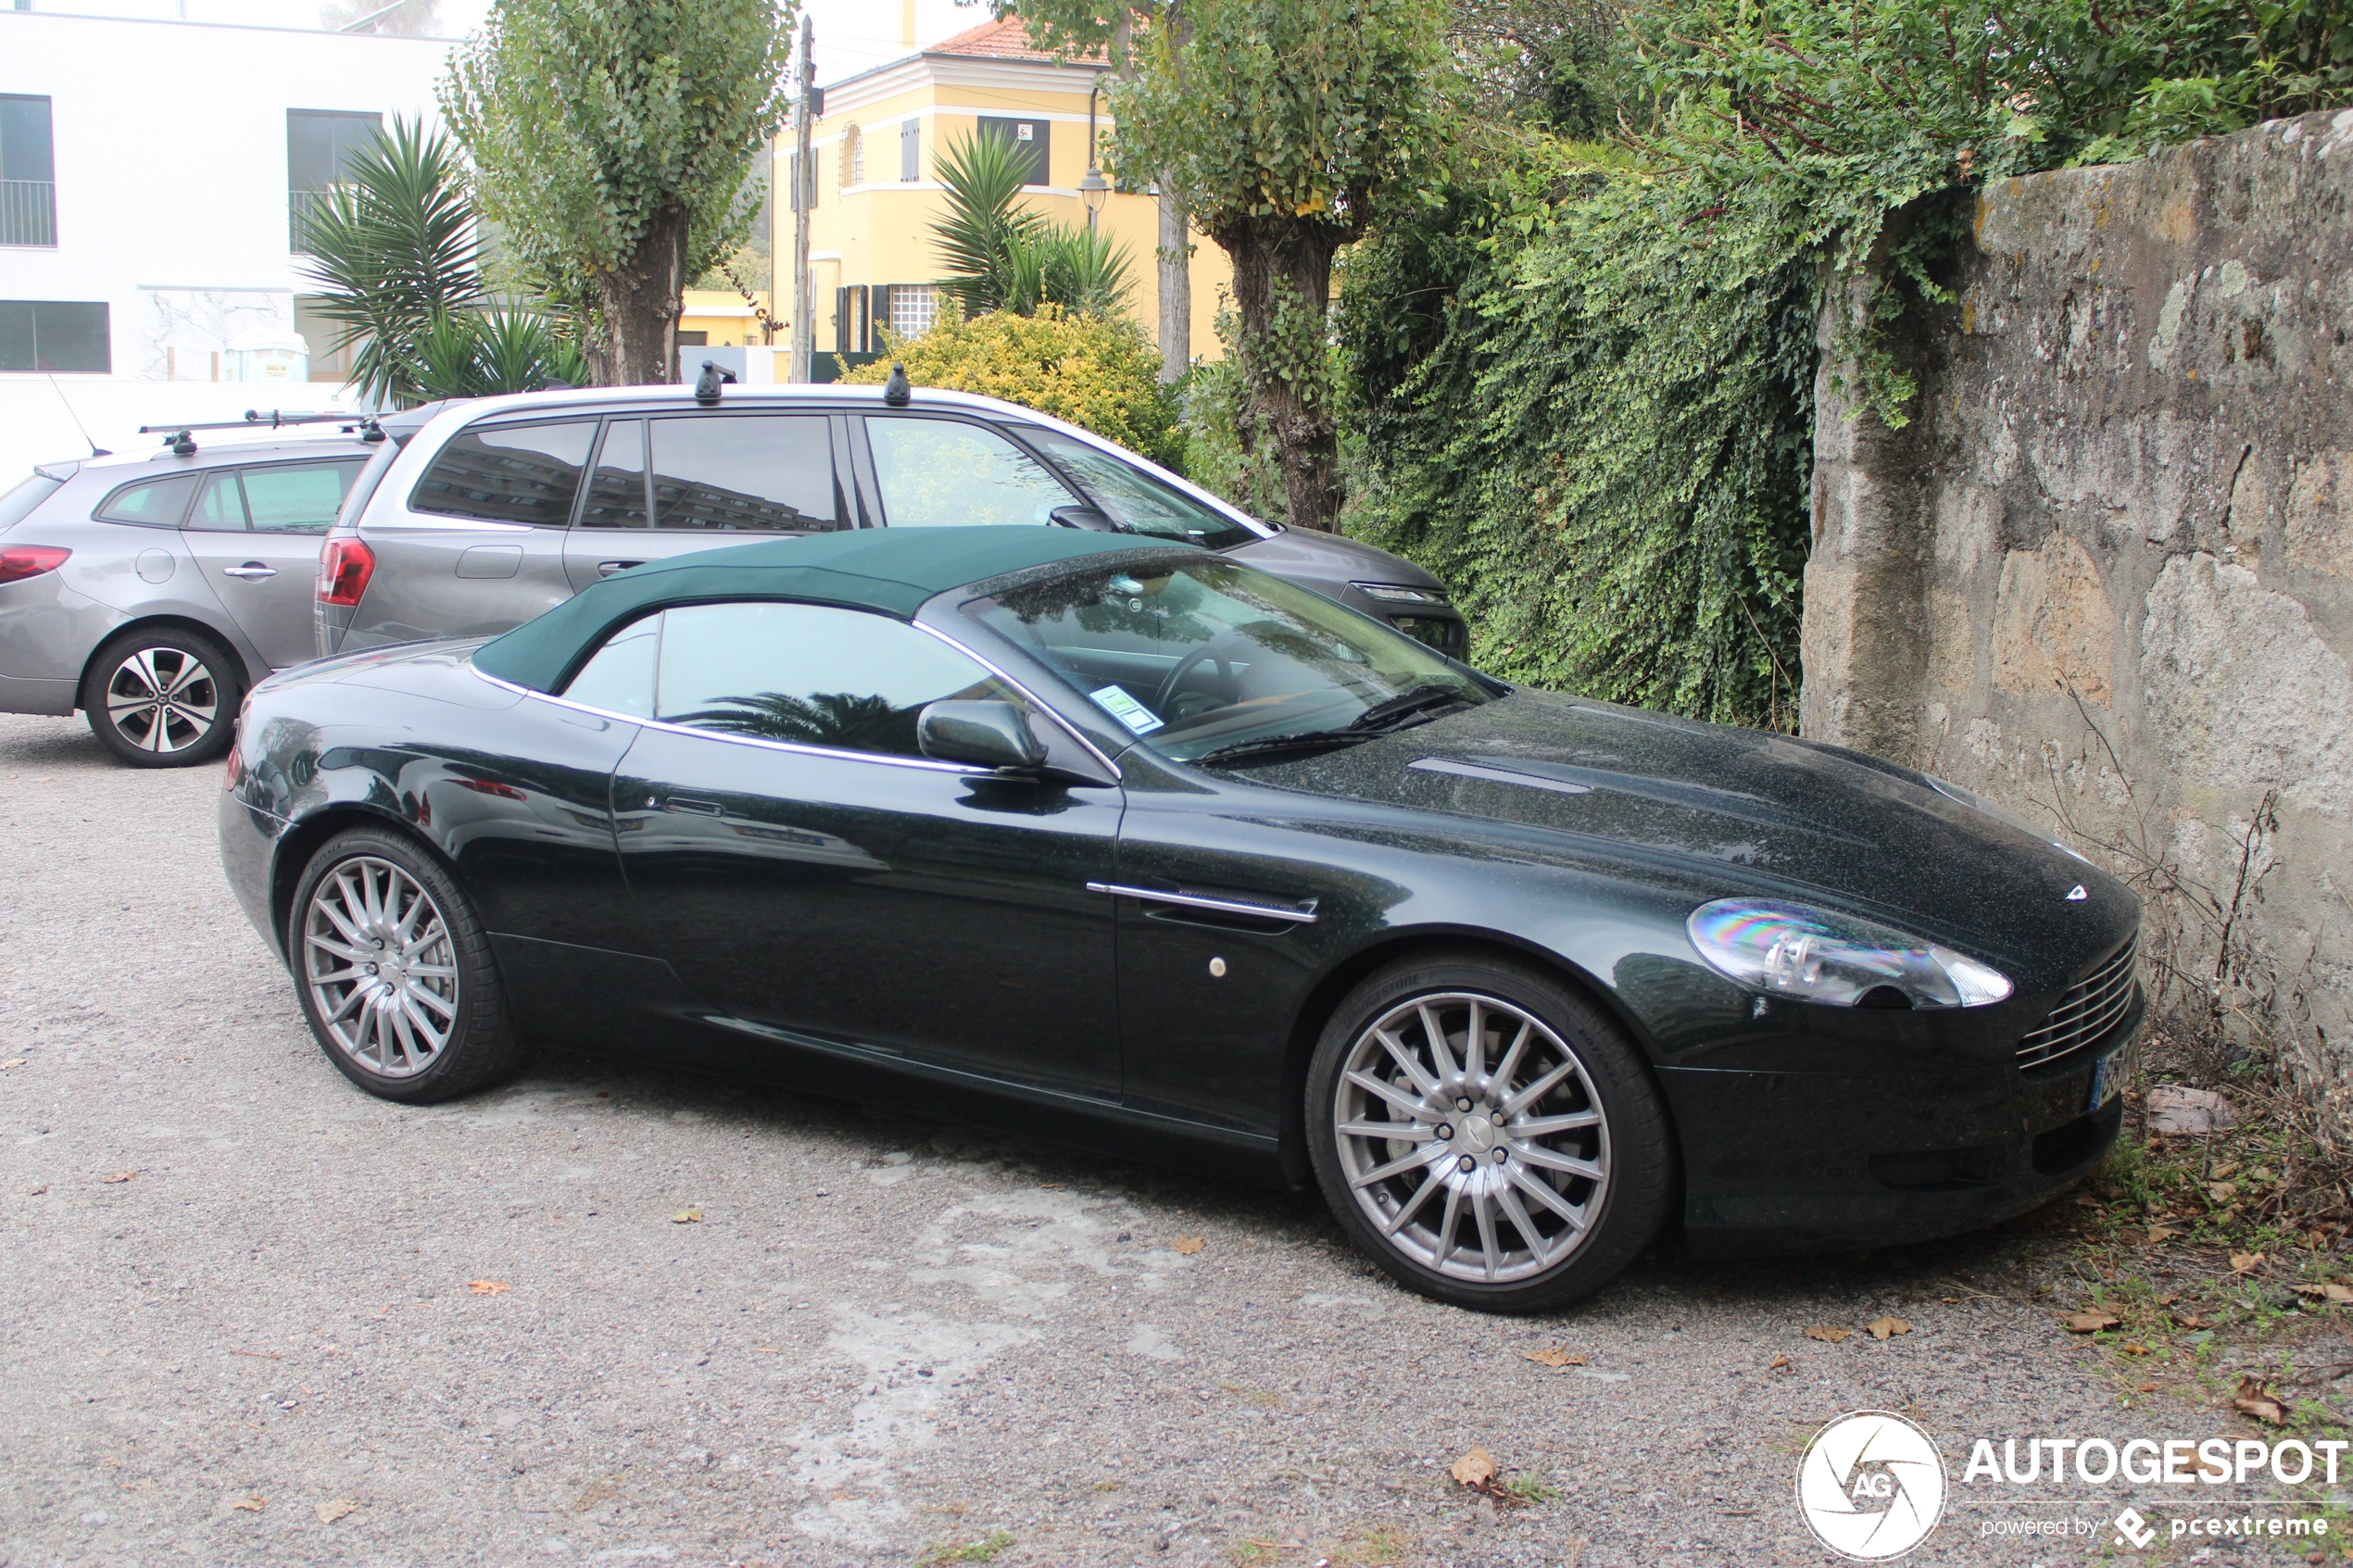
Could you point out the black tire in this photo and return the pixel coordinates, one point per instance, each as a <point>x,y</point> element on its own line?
<point>200,680</point>
<point>1629,1142</point>
<point>394,1012</point>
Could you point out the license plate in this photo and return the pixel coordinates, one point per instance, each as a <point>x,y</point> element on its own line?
<point>2107,1080</point>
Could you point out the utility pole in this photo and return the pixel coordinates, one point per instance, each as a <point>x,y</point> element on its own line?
<point>804,195</point>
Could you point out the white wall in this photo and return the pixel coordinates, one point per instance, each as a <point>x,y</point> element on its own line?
<point>171,143</point>
<point>41,422</point>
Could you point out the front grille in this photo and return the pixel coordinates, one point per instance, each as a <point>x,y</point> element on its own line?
<point>2092,1007</point>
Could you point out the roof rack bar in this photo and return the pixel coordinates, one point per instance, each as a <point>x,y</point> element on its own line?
<point>256,420</point>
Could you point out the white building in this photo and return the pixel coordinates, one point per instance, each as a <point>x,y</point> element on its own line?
<point>150,172</point>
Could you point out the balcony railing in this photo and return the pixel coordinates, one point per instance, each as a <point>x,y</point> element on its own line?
<point>302,205</point>
<point>27,212</point>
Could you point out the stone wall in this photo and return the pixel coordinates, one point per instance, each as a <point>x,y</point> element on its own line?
<point>2106,575</point>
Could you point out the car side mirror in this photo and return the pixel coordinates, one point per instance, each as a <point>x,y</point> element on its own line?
<point>984,735</point>
<point>1088,518</point>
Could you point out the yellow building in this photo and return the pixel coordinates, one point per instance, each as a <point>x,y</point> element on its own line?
<point>873,262</point>
<point>722,318</point>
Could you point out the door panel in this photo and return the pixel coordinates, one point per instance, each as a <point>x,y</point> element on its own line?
<point>908,909</point>
<point>255,536</point>
<point>663,486</point>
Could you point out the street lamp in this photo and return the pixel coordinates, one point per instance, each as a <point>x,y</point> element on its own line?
<point>1093,190</point>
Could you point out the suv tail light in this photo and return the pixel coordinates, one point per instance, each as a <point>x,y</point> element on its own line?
<point>345,567</point>
<point>20,561</point>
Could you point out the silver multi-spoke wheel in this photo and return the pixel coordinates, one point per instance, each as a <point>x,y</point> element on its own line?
<point>162,700</point>
<point>380,965</point>
<point>1469,1133</point>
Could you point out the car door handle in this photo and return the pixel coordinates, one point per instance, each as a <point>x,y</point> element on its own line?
<point>253,570</point>
<point>1301,913</point>
<point>688,803</point>
<point>607,567</point>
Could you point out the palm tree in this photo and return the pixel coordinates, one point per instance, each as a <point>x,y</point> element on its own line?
<point>1001,258</point>
<point>834,719</point>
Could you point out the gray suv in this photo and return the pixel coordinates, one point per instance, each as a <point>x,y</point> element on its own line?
<point>152,591</point>
<point>501,508</point>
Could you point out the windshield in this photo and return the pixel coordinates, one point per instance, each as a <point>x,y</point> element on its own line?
<point>1200,657</point>
<point>1139,503</point>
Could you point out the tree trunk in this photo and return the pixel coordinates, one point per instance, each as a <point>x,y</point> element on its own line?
<point>639,301</point>
<point>1282,292</point>
<point>1176,287</point>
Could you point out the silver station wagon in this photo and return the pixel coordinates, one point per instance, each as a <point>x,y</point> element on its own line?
<point>502,508</point>
<point>151,590</point>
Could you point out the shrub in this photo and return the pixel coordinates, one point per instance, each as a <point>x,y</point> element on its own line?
<point>1099,373</point>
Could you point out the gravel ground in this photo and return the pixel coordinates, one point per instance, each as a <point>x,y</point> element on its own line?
<point>253,1316</point>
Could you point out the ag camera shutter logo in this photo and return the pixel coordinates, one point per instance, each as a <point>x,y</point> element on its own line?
<point>1871,1486</point>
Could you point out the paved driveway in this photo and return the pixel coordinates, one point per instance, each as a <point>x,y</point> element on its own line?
<point>239,1322</point>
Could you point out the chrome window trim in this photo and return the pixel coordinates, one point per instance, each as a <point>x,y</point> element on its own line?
<point>1196,901</point>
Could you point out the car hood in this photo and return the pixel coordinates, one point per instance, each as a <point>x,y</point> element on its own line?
<point>1747,811</point>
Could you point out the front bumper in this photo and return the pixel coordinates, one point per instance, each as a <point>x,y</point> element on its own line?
<point>1812,1161</point>
<point>249,851</point>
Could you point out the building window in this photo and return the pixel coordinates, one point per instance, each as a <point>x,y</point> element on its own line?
<point>853,158</point>
<point>910,151</point>
<point>914,307</point>
<point>28,172</point>
<point>319,144</point>
<point>1028,136</point>
<point>55,335</point>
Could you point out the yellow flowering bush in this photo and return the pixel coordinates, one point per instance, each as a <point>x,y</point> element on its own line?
<point>1097,373</point>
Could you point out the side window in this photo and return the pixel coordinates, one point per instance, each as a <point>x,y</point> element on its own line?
<point>1138,501</point>
<point>620,677</point>
<point>809,674</point>
<point>297,498</point>
<point>762,473</point>
<point>219,508</point>
<point>617,487</point>
<point>936,473</point>
<point>158,502</point>
<point>514,473</point>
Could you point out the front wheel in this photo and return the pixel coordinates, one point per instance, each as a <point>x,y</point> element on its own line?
<point>394,973</point>
<point>1487,1135</point>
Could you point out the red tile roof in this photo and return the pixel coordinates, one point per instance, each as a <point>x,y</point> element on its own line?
<point>1007,40</point>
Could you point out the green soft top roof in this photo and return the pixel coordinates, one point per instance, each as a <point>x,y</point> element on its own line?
<point>889,569</point>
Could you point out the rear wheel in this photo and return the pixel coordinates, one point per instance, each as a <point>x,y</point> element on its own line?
<point>394,973</point>
<point>163,697</point>
<point>1487,1135</point>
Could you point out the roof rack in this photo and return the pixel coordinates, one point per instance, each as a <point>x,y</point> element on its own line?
<point>181,440</point>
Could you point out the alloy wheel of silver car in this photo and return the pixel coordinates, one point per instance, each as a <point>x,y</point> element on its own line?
<point>162,700</point>
<point>381,968</point>
<point>1470,1134</point>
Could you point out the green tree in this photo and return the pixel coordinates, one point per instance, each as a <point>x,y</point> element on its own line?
<point>1002,256</point>
<point>1288,127</point>
<point>610,139</point>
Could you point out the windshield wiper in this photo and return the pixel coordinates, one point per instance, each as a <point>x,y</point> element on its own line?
<point>1399,712</point>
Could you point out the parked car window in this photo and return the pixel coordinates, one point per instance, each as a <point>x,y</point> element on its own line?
<point>158,502</point>
<point>1201,653</point>
<point>620,677</point>
<point>809,674</point>
<point>745,473</point>
<point>511,473</point>
<point>219,506</point>
<point>938,473</point>
<point>617,484</point>
<point>1135,500</point>
<point>297,497</point>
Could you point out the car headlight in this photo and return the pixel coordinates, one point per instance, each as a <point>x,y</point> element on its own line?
<point>2000,814</point>
<point>1399,594</point>
<point>1821,957</point>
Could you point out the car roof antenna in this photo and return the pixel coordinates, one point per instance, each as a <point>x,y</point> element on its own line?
<point>895,390</point>
<point>707,384</point>
<point>95,450</point>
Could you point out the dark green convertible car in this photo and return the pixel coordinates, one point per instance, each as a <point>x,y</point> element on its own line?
<point>1129,846</point>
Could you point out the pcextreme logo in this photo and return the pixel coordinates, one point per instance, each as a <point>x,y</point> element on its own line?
<point>1871,1486</point>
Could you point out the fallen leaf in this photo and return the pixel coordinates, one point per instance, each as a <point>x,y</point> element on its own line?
<point>2161,1235</point>
<point>251,1505</point>
<point>36,1192</point>
<point>2224,1169</point>
<point>1555,1357</point>
<point>1830,1334</point>
<point>1475,1468</point>
<point>2188,1320</point>
<point>1188,1245</point>
<point>2148,1387</point>
<point>2221,1192</point>
<point>2340,1294</point>
<point>2254,1400</point>
<point>2245,1262</point>
<point>1780,1361</point>
<point>329,1512</point>
<point>1576,1360</point>
<point>2168,1298</point>
<point>2134,1348</point>
<point>1881,1327</point>
<point>12,1061</point>
<point>767,1350</point>
<point>489,1286</point>
<point>1048,1187</point>
<point>686,1217</point>
<point>2091,1320</point>
<point>119,1176</point>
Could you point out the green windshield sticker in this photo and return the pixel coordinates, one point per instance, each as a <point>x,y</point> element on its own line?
<point>1126,710</point>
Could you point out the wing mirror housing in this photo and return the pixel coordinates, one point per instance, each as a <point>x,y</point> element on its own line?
<point>995,735</point>
<point>1088,518</point>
